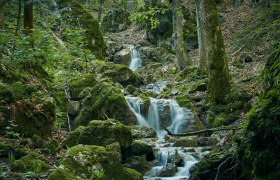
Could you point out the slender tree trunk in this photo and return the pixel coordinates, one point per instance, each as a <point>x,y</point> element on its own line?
<point>182,54</point>
<point>1,14</point>
<point>202,63</point>
<point>217,65</point>
<point>18,16</point>
<point>28,17</point>
<point>100,10</point>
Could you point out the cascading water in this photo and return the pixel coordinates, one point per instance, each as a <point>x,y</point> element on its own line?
<point>172,162</point>
<point>136,61</point>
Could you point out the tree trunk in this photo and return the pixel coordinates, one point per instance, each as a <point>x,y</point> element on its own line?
<point>18,16</point>
<point>202,64</point>
<point>100,10</point>
<point>28,17</point>
<point>1,14</point>
<point>217,65</point>
<point>182,54</point>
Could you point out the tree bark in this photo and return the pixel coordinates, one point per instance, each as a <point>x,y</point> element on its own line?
<point>202,63</point>
<point>28,17</point>
<point>100,10</point>
<point>217,64</point>
<point>182,54</point>
<point>2,11</point>
<point>18,16</point>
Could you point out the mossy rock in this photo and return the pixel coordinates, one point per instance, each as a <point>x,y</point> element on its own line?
<point>118,73</point>
<point>78,83</point>
<point>93,34</point>
<point>35,116</point>
<point>209,165</point>
<point>259,141</point>
<point>104,101</point>
<point>32,162</point>
<point>101,133</point>
<point>62,174</point>
<point>116,20</point>
<point>95,162</point>
<point>139,148</point>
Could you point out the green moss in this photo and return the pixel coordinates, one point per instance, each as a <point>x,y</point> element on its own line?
<point>6,94</point>
<point>116,20</point>
<point>77,84</point>
<point>131,173</point>
<point>184,101</point>
<point>93,35</point>
<point>88,161</point>
<point>50,147</point>
<point>207,167</point>
<point>101,133</point>
<point>104,101</point>
<point>259,142</point>
<point>117,73</point>
<point>32,162</point>
<point>61,174</point>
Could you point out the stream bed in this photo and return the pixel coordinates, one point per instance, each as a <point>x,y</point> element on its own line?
<point>170,162</point>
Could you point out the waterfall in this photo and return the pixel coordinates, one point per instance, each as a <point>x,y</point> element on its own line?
<point>176,119</point>
<point>136,61</point>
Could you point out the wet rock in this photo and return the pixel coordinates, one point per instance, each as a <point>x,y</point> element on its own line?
<point>169,170</point>
<point>115,21</point>
<point>138,163</point>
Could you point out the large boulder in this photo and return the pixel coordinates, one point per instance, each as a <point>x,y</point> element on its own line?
<point>78,83</point>
<point>115,21</point>
<point>118,73</point>
<point>93,162</point>
<point>101,133</point>
<point>123,57</point>
<point>104,101</point>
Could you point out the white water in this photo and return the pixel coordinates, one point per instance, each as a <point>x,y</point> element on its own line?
<point>178,119</point>
<point>136,61</point>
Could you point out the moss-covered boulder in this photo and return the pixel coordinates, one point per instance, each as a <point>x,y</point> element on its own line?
<point>92,35</point>
<point>118,73</point>
<point>32,162</point>
<point>95,162</point>
<point>78,83</point>
<point>259,143</point>
<point>101,133</point>
<point>104,101</point>
<point>62,174</point>
<point>116,20</point>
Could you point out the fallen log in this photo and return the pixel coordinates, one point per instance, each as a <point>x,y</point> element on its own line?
<point>205,131</point>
